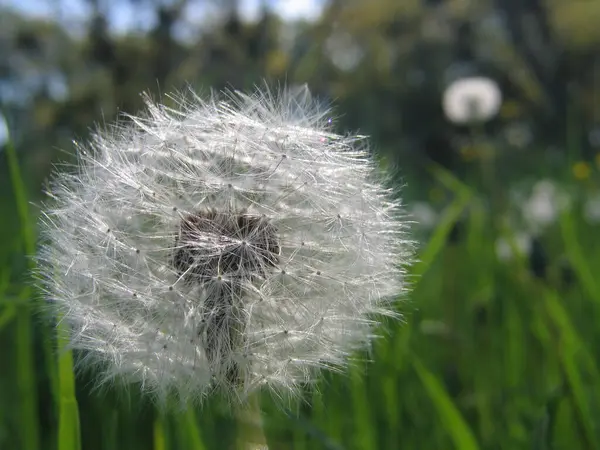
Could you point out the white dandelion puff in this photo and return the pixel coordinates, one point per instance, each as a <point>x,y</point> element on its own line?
<point>233,244</point>
<point>505,248</point>
<point>470,100</point>
<point>545,204</point>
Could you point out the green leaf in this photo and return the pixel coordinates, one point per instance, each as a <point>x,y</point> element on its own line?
<point>449,414</point>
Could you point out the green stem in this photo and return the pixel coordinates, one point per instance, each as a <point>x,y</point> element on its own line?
<point>26,378</point>
<point>250,432</point>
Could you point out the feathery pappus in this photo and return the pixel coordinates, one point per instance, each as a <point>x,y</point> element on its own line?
<point>235,243</point>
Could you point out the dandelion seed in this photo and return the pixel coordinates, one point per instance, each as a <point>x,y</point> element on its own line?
<point>233,244</point>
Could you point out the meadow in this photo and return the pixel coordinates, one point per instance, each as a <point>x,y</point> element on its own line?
<point>497,348</point>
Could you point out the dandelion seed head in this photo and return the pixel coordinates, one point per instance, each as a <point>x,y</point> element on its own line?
<point>472,99</point>
<point>234,243</point>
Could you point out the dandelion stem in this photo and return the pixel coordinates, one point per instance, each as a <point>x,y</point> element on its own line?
<point>250,432</point>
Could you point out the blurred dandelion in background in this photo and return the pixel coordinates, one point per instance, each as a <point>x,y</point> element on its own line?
<point>424,214</point>
<point>472,100</point>
<point>518,134</point>
<point>544,205</point>
<point>520,242</point>
<point>223,245</point>
<point>594,137</point>
<point>344,51</point>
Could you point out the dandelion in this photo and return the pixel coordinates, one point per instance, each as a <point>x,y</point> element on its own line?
<point>471,100</point>
<point>233,244</point>
<point>425,215</point>
<point>520,242</point>
<point>544,205</point>
<point>518,135</point>
<point>344,51</point>
<point>594,137</point>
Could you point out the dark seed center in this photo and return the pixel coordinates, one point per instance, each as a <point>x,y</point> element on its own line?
<point>238,246</point>
<point>222,250</point>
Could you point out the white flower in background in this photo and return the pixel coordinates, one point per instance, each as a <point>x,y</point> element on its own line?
<point>344,51</point>
<point>591,209</point>
<point>424,214</point>
<point>594,137</point>
<point>471,100</point>
<point>505,247</point>
<point>544,205</point>
<point>518,134</point>
<point>3,130</point>
<point>231,244</point>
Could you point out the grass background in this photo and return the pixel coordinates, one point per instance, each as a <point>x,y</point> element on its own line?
<point>491,354</point>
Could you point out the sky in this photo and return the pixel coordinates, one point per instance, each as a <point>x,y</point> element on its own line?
<point>124,16</point>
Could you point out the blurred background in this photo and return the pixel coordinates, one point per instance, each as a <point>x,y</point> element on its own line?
<point>486,111</point>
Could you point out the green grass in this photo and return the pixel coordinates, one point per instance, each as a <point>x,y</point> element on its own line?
<point>489,356</point>
<point>25,365</point>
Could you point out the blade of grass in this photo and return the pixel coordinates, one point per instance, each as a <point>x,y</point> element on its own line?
<point>364,437</point>
<point>9,313</point>
<point>191,430</point>
<point>26,379</point>
<point>583,414</point>
<point>389,390</point>
<point>69,433</point>
<point>110,430</point>
<point>575,254</point>
<point>305,427</point>
<point>463,196</point>
<point>451,417</point>
<point>330,425</point>
<point>160,441</point>
<point>440,235</point>
<point>449,180</point>
<point>571,346</point>
<point>568,332</point>
<point>10,310</point>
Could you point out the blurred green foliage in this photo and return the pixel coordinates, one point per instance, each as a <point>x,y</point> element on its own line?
<point>496,352</point>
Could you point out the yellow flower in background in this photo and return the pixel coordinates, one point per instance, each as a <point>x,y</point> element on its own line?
<point>510,109</point>
<point>582,170</point>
